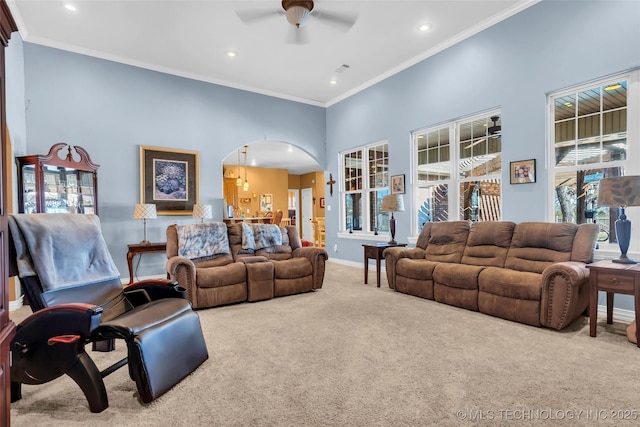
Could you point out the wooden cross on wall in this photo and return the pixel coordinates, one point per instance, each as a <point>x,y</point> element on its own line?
<point>330,184</point>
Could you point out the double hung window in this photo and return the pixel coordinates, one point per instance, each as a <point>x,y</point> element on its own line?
<point>591,140</point>
<point>365,179</point>
<point>457,170</point>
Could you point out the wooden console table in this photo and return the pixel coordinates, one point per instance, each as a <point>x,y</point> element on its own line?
<point>612,278</point>
<point>139,249</point>
<point>375,252</point>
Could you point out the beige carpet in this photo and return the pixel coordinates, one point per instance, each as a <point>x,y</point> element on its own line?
<point>354,355</point>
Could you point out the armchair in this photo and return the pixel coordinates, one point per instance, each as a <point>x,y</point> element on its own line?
<point>77,298</point>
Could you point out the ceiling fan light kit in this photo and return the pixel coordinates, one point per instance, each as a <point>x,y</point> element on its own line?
<point>297,12</point>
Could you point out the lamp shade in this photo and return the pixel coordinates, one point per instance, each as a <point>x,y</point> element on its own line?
<point>619,191</point>
<point>145,211</point>
<point>392,203</point>
<point>202,211</point>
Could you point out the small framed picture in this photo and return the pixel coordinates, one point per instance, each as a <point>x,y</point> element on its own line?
<point>322,202</point>
<point>523,171</point>
<point>397,184</point>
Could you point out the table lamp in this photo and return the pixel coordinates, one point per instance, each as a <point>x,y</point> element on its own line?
<point>622,192</point>
<point>202,211</point>
<point>392,203</point>
<point>145,212</point>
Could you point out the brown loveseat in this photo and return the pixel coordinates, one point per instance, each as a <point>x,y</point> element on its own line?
<point>532,272</point>
<point>209,260</point>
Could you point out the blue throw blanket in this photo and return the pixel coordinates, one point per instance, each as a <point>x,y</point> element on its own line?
<point>203,239</point>
<point>61,249</point>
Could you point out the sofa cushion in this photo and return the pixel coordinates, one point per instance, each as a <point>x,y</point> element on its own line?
<point>488,243</point>
<point>508,283</point>
<point>202,239</point>
<point>420,269</point>
<point>423,237</point>
<point>457,275</point>
<point>226,275</point>
<point>537,245</point>
<point>447,241</point>
<point>293,268</point>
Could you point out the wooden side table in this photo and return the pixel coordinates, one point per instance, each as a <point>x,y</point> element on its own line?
<point>375,252</point>
<point>139,249</point>
<point>612,278</point>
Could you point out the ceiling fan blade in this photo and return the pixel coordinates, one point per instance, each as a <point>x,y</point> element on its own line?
<point>252,15</point>
<point>341,22</point>
<point>297,35</point>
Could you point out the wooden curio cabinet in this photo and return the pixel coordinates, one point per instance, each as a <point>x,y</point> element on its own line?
<point>51,183</point>
<point>7,327</point>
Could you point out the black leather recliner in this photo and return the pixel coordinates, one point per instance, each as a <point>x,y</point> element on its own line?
<point>74,290</point>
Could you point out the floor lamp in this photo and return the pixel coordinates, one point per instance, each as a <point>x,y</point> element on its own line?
<point>145,212</point>
<point>392,203</point>
<point>622,192</point>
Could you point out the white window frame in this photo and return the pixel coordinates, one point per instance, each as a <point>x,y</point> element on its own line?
<point>367,187</point>
<point>455,180</point>
<point>631,166</point>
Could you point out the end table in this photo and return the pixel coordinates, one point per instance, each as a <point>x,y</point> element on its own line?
<point>139,249</point>
<point>612,278</point>
<point>375,252</point>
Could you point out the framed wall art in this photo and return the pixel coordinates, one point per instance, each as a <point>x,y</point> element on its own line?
<point>266,203</point>
<point>523,171</point>
<point>397,184</point>
<point>169,179</point>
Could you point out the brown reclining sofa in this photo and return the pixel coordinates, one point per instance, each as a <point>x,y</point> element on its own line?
<point>533,272</point>
<point>216,267</point>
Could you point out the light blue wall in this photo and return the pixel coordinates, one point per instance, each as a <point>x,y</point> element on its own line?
<point>111,109</point>
<point>512,65</point>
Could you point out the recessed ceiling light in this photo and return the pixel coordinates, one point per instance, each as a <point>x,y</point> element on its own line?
<point>333,82</point>
<point>424,27</point>
<point>70,7</point>
<point>231,53</point>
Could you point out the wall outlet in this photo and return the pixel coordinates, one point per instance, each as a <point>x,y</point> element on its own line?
<point>329,208</point>
<point>335,248</point>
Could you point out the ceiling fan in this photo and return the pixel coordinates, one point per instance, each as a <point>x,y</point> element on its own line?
<point>298,13</point>
<point>495,129</point>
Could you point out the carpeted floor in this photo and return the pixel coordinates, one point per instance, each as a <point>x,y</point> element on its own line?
<point>355,355</point>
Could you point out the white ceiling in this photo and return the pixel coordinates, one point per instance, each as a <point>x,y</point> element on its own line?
<point>189,38</point>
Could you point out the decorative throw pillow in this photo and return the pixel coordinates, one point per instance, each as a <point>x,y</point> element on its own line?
<point>266,235</point>
<point>248,241</point>
<point>203,239</point>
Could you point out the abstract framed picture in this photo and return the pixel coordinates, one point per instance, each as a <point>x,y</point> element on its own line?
<point>169,179</point>
<point>523,171</point>
<point>397,184</point>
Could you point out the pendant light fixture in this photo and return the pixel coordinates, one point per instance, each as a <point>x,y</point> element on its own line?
<point>245,187</point>
<point>239,179</point>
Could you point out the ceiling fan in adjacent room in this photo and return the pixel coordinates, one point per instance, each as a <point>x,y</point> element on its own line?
<point>299,13</point>
<point>495,129</point>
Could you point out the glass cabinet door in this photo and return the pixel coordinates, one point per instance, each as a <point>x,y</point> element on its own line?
<point>29,191</point>
<point>54,184</point>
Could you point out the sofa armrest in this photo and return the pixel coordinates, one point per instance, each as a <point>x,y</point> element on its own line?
<point>317,257</point>
<point>393,255</point>
<point>565,293</point>
<point>183,271</point>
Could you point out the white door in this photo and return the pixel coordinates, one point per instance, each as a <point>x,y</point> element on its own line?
<point>307,214</point>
